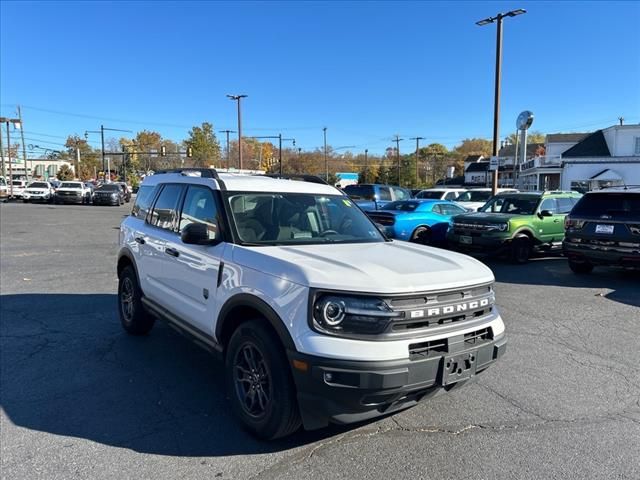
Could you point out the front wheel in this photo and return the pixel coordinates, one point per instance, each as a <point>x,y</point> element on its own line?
<point>134,318</point>
<point>259,382</point>
<point>520,249</point>
<point>580,268</point>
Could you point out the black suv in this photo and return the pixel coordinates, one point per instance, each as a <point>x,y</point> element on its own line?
<point>604,229</point>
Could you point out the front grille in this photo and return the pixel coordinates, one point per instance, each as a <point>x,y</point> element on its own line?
<point>68,194</point>
<point>425,349</point>
<point>478,227</point>
<point>435,348</point>
<point>479,336</point>
<point>385,219</point>
<point>442,309</point>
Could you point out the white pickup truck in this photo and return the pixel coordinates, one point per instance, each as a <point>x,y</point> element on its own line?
<point>73,192</point>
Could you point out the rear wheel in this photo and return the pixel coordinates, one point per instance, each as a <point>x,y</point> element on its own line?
<point>259,382</point>
<point>581,268</point>
<point>421,235</point>
<point>134,318</point>
<point>520,249</point>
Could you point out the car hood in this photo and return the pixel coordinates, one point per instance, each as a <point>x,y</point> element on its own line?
<point>35,189</point>
<point>385,267</point>
<point>69,189</point>
<point>484,217</point>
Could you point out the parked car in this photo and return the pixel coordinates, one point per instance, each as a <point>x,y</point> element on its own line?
<point>604,229</point>
<point>73,192</point>
<point>108,194</point>
<point>38,191</point>
<point>16,188</point>
<point>126,191</point>
<point>473,199</point>
<point>4,190</point>
<point>317,318</point>
<point>418,220</point>
<point>370,196</point>
<point>441,193</point>
<point>91,188</point>
<point>514,223</point>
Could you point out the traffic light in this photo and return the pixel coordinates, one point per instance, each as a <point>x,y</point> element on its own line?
<point>189,152</point>
<point>163,151</point>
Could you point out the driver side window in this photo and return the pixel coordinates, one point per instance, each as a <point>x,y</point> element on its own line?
<point>200,207</point>
<point>549,204</point>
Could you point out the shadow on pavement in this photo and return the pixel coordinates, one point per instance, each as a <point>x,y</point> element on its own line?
<point>555,271</point>
<point>69,369</point>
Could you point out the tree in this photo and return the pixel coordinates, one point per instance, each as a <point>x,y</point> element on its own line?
<point>474,146</point>
<point>532,137</point>
<point>206,149</point>
<point>90,158</point>
<point>65,173</point>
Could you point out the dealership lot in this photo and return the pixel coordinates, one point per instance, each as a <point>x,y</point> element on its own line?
<point>82,399</point>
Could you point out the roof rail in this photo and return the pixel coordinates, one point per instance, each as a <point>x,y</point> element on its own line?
<point>300,178</point>
<point>204,173</point>
<point>622,187</point>
<point>560,191</point>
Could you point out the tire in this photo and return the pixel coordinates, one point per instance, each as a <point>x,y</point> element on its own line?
<point>133,317</point>
<point>520,249</point>
<point>421,235</point>
<point>255,351</point>
<point>580,268</point>
<point>24,200</point>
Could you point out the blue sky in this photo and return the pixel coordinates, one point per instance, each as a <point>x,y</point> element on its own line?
<point>364,70</point>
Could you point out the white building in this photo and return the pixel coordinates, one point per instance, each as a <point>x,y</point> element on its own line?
<point>586,161</point>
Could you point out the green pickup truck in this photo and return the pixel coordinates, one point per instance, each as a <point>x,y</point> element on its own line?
<point>515,224</point>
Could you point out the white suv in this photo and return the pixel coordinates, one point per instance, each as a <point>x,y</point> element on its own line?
<point>317,316</point>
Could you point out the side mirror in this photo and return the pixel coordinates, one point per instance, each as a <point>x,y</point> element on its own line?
<point>199,234</point>
<point>546,213</point>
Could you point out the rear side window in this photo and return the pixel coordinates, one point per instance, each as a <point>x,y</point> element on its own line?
<point>451,196</point>
<point>565,205</point>
<point>143,201</point>
<point>359,191</point>
<point>385,193</point>
<point>165,208</point>
<point>401,194</point>
<point>613,204</point>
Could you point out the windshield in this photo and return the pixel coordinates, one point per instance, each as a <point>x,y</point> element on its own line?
<point>616,205</point>
<point>513,204</point>
<point>38,185</point>
<point>70,185</point>
<point>359,191</point>
<point>299,219</point>
<point>111,187</point>
<point>474,196</point>
<point>433,194</point>
<point>403,205</point>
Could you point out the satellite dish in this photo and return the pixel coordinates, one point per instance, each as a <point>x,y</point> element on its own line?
<point>524,121</point>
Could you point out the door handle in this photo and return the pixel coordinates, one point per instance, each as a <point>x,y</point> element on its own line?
<point>557,220</point>
<point>140,240</point>
<point>172,251</point>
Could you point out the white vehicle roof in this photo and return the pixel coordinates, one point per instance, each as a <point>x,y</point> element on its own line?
<point>241,182</point>
<point>443,189</point>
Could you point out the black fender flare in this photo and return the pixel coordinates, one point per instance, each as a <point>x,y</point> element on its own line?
<point>125,252</point>
<point>248,300</point>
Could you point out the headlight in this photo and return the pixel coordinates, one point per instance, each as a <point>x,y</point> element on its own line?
<point>352,315</point>
<point>114,194</point>
<point>501,227</point>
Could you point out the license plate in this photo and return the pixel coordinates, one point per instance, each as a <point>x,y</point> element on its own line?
<point>604,229</point>
<point>465,239</point>
<point>458,367</point>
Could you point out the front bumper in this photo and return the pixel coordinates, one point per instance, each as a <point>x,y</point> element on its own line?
<point>69,198</point>
<point>106,201</point>
<point>341,391</point>
<point>43,197</point>
<point>479,243</point>
<point>602,255</point>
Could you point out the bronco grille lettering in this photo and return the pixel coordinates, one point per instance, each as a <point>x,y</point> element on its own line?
<point>460,307</point>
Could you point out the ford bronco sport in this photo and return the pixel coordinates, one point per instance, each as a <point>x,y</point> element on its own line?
<point>317,316</point>
<point>515,224</point>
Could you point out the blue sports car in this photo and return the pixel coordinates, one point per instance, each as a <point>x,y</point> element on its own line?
<point>417,220</point>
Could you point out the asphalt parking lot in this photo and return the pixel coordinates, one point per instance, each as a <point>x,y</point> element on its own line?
<point>81,399</point>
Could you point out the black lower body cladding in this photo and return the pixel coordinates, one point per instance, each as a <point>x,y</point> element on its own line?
<point>615,256</point>
<point>339,391</point>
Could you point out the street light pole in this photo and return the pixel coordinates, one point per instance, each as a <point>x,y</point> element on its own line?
<point>237,99</point>
<point>496,104</point>
<point>366,165</point>
<point>326,161</point>
<point>102,143</point>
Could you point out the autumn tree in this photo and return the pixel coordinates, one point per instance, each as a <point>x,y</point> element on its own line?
<point>203,141</point>
<point>65,173</point>
<point>532,137</point>
<point>90,158</point>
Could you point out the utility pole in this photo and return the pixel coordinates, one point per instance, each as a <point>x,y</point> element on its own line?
<point>326,161</point>
<point>9,157</point>
<point>496,103</point>
<point>77,160</point>
<point>228,147</point>
<point>24,150</point>
<point>280,153</point>
<point>2,168</point>
<point>398,140</point>
<point>102,142</point>
<point>366,165</point>
<point>417,139</point>
<point>237,99</point>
